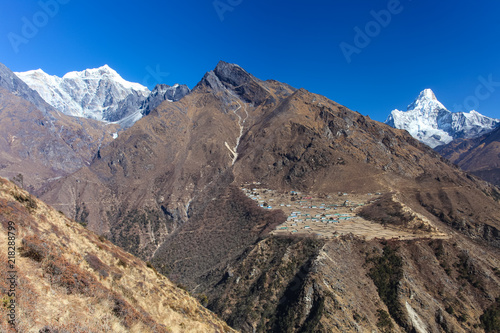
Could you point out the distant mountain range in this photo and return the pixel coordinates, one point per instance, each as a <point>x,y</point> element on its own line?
<point>427,120</point>
<point>100,94</point>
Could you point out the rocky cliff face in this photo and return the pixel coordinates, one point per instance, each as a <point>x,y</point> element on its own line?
<point>430,122</point>
<point>171,189</point>
<point>163,92</point>
<point>291,284</point>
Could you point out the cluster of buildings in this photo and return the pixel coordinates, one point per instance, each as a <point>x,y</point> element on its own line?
<point>305,213</point>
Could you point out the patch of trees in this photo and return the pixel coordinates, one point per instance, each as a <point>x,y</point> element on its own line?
<point>27,200</point>
<point>81,214</point>
<point>490,319</point>
<point>386,273</point>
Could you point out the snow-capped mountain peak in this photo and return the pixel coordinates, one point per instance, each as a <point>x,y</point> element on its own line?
<point>105,72</point>
<point>38,71</point>
<point>429,121</point>
<point>101,94</point>
<point>97,93</point>
<point>38,75</point>
<point>426,94</point>
<point>426,102</point>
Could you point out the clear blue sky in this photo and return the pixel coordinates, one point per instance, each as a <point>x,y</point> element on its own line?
<point>443,45</point>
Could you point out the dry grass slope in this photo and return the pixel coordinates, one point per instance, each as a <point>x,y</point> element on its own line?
<point>71,280</point>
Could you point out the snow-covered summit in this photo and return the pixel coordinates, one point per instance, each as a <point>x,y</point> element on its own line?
<point>430,122</point>
<point>426,102</point>
<point>98,93</point>
<point>107,73</point>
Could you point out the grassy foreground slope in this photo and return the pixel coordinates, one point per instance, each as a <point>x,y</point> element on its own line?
<point>70,280</point>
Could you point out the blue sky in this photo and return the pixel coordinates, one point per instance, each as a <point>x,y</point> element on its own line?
<point>452,47</point>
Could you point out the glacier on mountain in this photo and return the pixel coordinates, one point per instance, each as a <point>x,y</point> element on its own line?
<point>100,94</point>
<point>427,120</point>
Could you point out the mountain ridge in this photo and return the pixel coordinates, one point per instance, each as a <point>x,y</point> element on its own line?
<point>91,93</point>
<point>18,87</point>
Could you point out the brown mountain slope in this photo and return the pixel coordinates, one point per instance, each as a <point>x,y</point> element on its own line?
<point>245,277</point>
<point>69,279</point>
<point>171,188</point>
<point>310,142</point>
<point>234,128</point>
<point>479,156</point>
<point>293,284</point>
<point>155,169</point>
<point>39,142</point>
